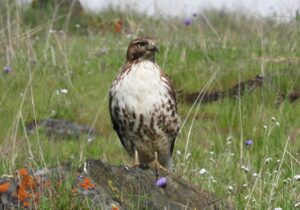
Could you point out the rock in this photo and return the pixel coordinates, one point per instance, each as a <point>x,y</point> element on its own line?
<point>59,128</point>
<point>132,187</point>
<point>293,96</point>
<point>235,91</point>
<point>107,187</point>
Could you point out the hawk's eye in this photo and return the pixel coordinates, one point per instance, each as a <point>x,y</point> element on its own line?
<point>141,44</point>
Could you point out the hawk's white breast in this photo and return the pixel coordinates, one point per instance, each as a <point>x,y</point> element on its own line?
<point>141,88</point>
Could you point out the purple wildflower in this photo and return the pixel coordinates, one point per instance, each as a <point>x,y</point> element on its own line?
<point>188,22</point>
<point>249,142</point>
<point>161,182</point>
<point>7,69</point>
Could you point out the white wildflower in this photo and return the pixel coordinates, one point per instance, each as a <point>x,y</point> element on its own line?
<point>202,171</point>
<point>268,160</point>
<point>297,177</point>
<point>246,169</point>
<point>230,188</point>
<point>63,91</point>
<point>212,179</point>
<point>255,174</point>
<point>52,31</point>
<point>265,127</point>
<point>178,152</point>
<point>188,156</point>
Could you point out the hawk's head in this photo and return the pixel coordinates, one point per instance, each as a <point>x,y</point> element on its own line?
<point>143,48</point>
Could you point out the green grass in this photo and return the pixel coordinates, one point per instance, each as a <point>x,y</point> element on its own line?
<point>202,56</point>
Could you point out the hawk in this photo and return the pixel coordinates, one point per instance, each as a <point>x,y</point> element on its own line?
<point>143,109</point>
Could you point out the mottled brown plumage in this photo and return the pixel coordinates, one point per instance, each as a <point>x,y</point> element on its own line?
<point>142,106</point>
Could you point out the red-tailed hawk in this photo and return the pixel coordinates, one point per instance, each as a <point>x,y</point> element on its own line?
<point>143,108</point>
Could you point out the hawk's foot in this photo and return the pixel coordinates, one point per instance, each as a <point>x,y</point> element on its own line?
<point>136,165</point>
<point>157,166</point>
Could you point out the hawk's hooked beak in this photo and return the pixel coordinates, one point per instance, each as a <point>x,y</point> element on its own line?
<point>152,47</point>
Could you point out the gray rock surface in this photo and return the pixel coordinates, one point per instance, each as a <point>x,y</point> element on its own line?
<point>106,187</point>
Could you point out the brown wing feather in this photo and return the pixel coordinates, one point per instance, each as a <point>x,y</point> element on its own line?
<point>172,93</point>
<point>114,121</point>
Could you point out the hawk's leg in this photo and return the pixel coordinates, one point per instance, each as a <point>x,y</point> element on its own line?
<point>157,165</point>
<point>136,159</point>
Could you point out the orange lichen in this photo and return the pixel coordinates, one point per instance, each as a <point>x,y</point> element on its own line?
<point>4,187</point>
<point>22,171</point>
<point>26,204</point>
<point>28,182</point>
<point>27,187</point>
<point>22,194</point>
<point>86,184</point>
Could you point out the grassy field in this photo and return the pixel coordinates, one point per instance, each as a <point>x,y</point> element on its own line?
<point>53,49</point>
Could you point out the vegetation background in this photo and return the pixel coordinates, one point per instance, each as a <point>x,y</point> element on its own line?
<point>58,62</point>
